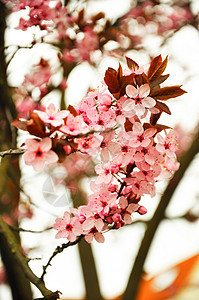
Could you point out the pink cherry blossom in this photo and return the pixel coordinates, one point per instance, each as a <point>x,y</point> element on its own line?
<point>139,136</point>
<point>139,99</point>
<point>39,153</point>
<point>127,209</point>
<point>74,125</point>
<point>67,227</point>
<point>94,233</point>
<point>167,145</point>
<point>52,116</point>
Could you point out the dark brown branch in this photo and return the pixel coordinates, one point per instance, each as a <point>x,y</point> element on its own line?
<point>58,250</point>
<point>159,215</point>
<point>23,262</point>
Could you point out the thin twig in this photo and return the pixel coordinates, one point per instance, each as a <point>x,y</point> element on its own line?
<point>59,249</point>
<point>11,152</point>
<point>27,230</point>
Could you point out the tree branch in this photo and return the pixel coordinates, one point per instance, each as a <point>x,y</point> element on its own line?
<point>23,262</point>
<point>11,152</point>
<point>59,249</point>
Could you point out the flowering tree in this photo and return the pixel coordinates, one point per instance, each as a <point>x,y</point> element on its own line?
<point>113,135</point>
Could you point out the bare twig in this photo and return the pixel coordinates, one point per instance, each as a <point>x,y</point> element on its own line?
<point>11,152</point>
<point>59,249</point>
<point>28,230</point>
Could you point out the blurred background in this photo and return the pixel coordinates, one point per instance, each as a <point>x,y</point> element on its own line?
<point>75,59</point>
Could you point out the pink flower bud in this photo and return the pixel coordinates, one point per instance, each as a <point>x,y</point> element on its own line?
<point>112,188</point>
<point>142,210</point>
<point>116,217</point>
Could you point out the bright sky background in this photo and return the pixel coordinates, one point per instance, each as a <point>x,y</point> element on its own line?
<point>175,240</point>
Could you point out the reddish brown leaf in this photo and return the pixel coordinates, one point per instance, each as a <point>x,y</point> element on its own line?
<point>154,65</point>
<point>154,118</point>
<point>159,70</point>
<point>141,79</point>
<point>112,82</point>
<point>161,127</point>
<point>72,110</point>
<point>163,107</point>
<point>119,72</point>
<point>131,63</point>
<point>125,80</point>
<point>20,124</point>
<point>167,92</point>
<point>128,125</point>
<point>158,81</point>
<point>33,129</point>
<point>98,16</point>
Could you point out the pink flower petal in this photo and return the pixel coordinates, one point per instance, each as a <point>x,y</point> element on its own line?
<point>140,109</point>
<point>51,157</point>
<point>89,238</point>
<point>32,144</point>
<point>149,132</point>
<point>99,237</point>
<point>99,224</point>
<point>45,144</point>
<point>88,224</point>
<point>28,156</point>
<point>51,109</point>
<point>131,91</point>
<point>128,105</point>
<point>144,90</point>
<point>127,219</point>
<point>149,102</point>
<point>123,202</point>
<point>38,165</point>
<point>66,217</point>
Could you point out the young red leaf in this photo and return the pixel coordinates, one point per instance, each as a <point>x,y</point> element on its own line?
<point>163,107</point>
<point>167,92</point>
<point>20,124</point>
<point>154,65</point>
<point>158,81</point>
<point>159,70</point>
<point>112,82</point>
<point>119,72</point>
<point>154,118</point>
<point>72,110</point>
<point>131,63</point>
<point>141,79</point>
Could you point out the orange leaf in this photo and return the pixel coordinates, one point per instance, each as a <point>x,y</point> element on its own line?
<point>167,92</point>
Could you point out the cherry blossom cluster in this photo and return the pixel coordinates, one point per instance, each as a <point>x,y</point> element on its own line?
<point>78,35</point>
<point>159,18</point>
<point>117,125</point>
